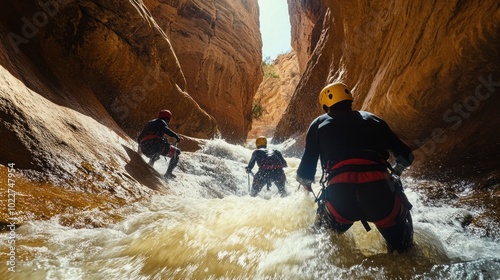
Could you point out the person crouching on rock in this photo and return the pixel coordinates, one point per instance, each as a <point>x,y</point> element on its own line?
<point>153,144</point>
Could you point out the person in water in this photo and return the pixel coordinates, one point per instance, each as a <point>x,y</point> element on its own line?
<point>354,147</point>
<point>153,144</point>
<point>271,164</point>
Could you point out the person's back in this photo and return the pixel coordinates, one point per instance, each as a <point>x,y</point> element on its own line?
<point>354,148</point>
<point>269,159</point>
<point>271,164</point>
<point>151,137</point>
<point>351,132</point>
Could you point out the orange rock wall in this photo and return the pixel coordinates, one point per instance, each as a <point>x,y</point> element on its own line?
<point>79,79</point>
<point>219,48</point>
<point>274,93</point>
<point>309,16</point>
<point>431,69</point>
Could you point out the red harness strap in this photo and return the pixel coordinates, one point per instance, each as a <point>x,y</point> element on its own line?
<point>390,220</point>
<point>264,166</point>
<point>358,177</point>
<point>337,216</point>
<point>353,161</point>
<point>149,137</point>
<point>357,171</point>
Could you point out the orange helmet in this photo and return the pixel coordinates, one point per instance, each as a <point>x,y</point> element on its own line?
<point>165,114</point>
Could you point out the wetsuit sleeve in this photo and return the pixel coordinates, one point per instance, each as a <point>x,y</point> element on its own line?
<point>281,159</point>
<point>309,161</point>
<point>251,163</point>
<point>400,150</point>
<point>169,132</point>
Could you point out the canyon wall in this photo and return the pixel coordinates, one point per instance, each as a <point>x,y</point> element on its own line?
<point>79,79</point>
<point>113,50</point>
<point>306,18</point>
<point>281,76</point>
<point>114,62</point>
<point>219,48</point>
<point>430,69</point>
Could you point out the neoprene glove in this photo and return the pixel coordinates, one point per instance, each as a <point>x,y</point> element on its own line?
<point>398,168</point>
<point>304,182</point>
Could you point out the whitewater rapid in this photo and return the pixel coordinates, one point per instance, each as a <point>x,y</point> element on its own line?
<point>208,227</point>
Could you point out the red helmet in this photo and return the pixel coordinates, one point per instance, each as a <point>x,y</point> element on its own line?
<point>165,114</point>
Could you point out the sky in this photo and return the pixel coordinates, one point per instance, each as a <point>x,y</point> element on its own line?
<point>274,27</point>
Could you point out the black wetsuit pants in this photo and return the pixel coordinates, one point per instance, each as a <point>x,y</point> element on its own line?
<point>268,176</point>
<point>372,197</point>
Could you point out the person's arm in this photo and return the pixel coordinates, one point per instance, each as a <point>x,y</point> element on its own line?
<point>251,163</point>
<point>309,161</point>
<point>401,151</point>
<point>171,133</point>
<point>281,158</point>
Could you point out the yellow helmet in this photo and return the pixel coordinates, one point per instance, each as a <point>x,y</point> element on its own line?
<point>261,141</point>
<point>333,94</point>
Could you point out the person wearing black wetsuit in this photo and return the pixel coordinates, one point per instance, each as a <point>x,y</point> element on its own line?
<point>153,144</point>
<point>353,147</point>
<point>271,164</point>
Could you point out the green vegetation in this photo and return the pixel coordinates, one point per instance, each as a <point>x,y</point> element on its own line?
<point>268,69</point>
<point>257,111</point>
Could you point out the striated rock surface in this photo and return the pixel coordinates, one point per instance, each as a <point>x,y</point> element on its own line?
<point>111,49</point>
<point>78,80</point>
<point>274,93</point>
<point>219,48</point>
<point>430,69</point>
<point>306,19</point>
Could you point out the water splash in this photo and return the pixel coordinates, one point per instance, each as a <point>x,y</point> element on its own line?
<point>208,227</point>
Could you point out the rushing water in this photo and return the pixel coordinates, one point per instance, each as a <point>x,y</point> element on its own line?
<point>210,228</point>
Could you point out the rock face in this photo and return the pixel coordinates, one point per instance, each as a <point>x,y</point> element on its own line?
<point>79,79</point>
<point>112,62</point>
<point>219,48</point>
<point>306,19</point>
<point>430,69</point>
<point>274,93</point>
<point>63,68</point>
<point>100,48</point>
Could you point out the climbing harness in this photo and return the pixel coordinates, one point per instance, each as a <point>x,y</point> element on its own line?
<point>324,215</point>
<point>397,187</point>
